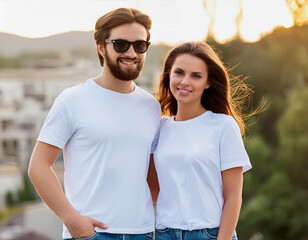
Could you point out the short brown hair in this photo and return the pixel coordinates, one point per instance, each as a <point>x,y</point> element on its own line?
<point>116,18</point>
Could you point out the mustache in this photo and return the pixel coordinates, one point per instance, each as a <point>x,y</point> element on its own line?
<point>126,58</point>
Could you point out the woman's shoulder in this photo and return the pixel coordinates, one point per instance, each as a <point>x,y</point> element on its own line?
<point>220,117</point>
<point>165,118</point>
<point>223,120</point>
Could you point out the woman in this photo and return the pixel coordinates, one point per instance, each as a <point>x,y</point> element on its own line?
<point>200,156</point>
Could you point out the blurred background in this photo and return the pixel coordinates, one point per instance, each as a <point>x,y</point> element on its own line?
<point>47,46</point>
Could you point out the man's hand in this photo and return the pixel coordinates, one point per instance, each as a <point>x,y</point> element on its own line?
<point>83,226</point>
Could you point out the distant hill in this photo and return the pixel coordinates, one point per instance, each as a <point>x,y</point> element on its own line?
<point>11,45</point>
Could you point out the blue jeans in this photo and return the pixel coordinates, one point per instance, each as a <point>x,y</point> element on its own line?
<point>178,234</point>
<point>112,236</point>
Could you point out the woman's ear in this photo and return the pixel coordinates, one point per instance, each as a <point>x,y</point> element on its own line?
<point>207,85</point>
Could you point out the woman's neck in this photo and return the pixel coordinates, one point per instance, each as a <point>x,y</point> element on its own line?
<point>186,112</point>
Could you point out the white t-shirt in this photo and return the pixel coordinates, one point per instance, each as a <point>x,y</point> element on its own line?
<point>189,159</point>
<point>106,139</point>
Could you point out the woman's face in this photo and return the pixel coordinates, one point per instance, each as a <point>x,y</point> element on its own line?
<point>188,79</point>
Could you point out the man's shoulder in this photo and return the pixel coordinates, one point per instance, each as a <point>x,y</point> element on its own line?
<point>74,91</point>
<point>148,100</point>
<point>145,94</point>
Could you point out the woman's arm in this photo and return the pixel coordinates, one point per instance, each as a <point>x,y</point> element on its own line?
<point>232,190</point>
<point>152,180</point>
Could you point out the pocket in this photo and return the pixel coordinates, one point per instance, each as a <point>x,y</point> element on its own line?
<point>93,237</point>
<point>211,233</point>
<point>162,230</point>
<point>149,235</point>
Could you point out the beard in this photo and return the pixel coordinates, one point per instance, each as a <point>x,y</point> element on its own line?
<point>119,73</point>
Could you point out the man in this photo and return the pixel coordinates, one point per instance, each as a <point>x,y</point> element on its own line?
<point>107,128</point>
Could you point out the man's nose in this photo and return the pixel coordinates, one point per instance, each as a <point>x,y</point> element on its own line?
<point>131,51</point>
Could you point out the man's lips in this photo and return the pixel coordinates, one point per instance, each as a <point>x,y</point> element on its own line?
<point>126,61</point>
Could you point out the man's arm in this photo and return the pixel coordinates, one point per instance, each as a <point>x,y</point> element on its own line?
<point>50,190</point>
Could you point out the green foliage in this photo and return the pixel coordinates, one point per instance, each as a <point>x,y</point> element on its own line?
<point>259,153</point>
<point>9,199</point>
<point>7,212</point>
<point>276,189</point>
<point>293,132</point>
<point>8,62</point>
<point>275,66</point>
<point>278,211</point>
<point>27,192</point>
<point>27,60</point>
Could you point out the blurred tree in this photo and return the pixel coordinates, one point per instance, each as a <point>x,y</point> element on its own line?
<point>211,6</point>
<point>299,10</point>
<point>276,189</point>
<point>279,211</point>
<point>275,66</point>
<point>27,192</point>
<point>293,135</point>
<point>260,156</point>
<point>9,199</point>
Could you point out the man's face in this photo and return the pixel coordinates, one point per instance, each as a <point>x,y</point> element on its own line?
<point>128,65</point>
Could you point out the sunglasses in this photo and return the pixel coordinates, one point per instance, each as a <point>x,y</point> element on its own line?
<point>121,45</point>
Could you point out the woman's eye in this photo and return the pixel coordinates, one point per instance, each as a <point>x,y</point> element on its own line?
<point>196,76</point>
<point>178,72</point>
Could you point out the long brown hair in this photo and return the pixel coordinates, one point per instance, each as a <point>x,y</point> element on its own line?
<point>116,18</point>
<point>220,97</point>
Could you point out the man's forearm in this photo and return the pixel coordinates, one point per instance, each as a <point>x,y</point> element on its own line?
<point>50,190</point>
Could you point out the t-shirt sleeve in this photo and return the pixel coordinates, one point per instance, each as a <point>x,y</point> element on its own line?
<point>57,128</point>
<point>155,140</point>
<point>231,149</point>
<point>157,110</point>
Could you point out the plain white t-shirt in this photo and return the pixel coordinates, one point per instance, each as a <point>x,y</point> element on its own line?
<point>189,159</point>
<point>106,139</point>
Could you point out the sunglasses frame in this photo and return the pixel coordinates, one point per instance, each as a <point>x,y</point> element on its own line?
<point>113,41</point>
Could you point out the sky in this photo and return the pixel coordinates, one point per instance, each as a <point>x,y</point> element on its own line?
<point>174,21</point>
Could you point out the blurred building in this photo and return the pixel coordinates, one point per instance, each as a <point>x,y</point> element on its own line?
<point>26,96</point>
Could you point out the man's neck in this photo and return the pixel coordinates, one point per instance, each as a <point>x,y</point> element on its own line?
<point>108,81</point>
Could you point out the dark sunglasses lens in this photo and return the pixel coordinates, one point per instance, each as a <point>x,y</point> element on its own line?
<point>140,46</point>
<point>120,46</point>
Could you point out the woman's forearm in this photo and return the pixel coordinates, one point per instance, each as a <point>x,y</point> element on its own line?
<point>229,218</point>
<point>232,191</point>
